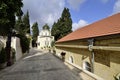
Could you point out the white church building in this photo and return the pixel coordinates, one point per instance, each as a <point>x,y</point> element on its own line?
<point>44,40</point>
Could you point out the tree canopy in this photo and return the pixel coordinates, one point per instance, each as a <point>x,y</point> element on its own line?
<point>8,10</point>
<point>35,31</point>
<point>63,26</point>
<point>22,24</point>
<point>21,29</point>
<point>26,22</point>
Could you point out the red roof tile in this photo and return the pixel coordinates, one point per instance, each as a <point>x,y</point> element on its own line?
<point>107,26</point>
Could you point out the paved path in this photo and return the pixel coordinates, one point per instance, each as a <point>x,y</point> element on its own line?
<point>38,66</point>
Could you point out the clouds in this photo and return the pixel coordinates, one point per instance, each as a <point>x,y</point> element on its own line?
<point>43,11</point>
<point>116,8</point>
<point>81,23</point>
<point>47,11</point>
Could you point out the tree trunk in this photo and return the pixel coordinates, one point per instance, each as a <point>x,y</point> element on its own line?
<point>8,49</point>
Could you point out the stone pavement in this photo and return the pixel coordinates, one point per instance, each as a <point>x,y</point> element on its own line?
<point>38,65</point>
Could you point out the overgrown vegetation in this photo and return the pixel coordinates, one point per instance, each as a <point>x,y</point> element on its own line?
<point>23,28</point>
<point>24,42</point>
<point>3,56</point>
<point>35,31</point>
<point>9,9</point>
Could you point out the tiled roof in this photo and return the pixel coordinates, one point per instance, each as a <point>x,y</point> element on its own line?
<point>107,26</point>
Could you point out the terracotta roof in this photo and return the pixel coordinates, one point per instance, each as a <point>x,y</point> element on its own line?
<point>107,26</point>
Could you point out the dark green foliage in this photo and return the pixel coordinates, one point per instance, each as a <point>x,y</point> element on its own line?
<point>46,27</point>
<point>24,42</point>
<point>8,10</point>
<point>52,43</point>
<point>35,31</point>
<point>20,27</point>
<point>63,25</point>
<point>26,22</point>
<point>3,56</point>
<point>22,24</point>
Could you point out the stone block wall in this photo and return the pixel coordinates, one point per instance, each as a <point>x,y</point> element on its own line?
<point>106,63</point>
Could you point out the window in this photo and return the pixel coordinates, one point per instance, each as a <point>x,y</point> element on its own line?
<point>87,66</point>
<point>46,34</point>
<point>71,59</point>
<point>46,43</point>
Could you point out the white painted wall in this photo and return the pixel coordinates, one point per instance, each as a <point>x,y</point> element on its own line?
<point>44,39</point>
<point>15,43</point>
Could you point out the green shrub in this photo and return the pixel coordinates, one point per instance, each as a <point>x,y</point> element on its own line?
<point>52,43</point>
<point>24,42</point>
<point>3,56</point>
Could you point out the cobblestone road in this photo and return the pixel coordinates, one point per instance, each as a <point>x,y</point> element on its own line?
<point>38,66</point>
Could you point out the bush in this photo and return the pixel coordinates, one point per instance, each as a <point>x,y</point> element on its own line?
<point>3,56</point>
<point>24,42</point>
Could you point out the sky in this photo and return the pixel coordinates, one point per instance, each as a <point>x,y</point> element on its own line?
<point>83,12</point>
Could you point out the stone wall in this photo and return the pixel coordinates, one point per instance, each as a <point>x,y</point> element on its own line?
<point>15,43</point>
<point>106,63</point>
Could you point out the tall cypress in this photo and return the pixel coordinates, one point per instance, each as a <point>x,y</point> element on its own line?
<point>63,26</point>
<point>26,22</point>
<point>35,31</point>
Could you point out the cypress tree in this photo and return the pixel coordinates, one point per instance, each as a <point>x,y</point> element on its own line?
<point>35,31</point>
<point>63,25</point>
<point>26,22</point>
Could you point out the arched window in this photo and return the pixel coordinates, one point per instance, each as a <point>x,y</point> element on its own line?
<point>46,34</point>
<point>87,66</point>
<point>71,59</point>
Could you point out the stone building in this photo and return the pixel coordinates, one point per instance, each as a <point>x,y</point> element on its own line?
<point>95,48</point>
<point>45,39</point>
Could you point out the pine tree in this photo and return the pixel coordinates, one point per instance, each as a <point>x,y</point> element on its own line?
<point>26,22</point>
<point>63,25</point>
<point>21,33</point>
<point>35,31</point>
<point>20,27</point>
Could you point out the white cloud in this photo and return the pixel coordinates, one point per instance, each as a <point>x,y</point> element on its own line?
<point>75,3</point>
<point>116,8</point>
<point>80,24</point>
<point>43,11</point>
<point>47,11</point>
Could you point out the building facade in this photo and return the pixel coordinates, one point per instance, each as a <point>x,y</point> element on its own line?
<point>45,40</point>
<point>95,48</point>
